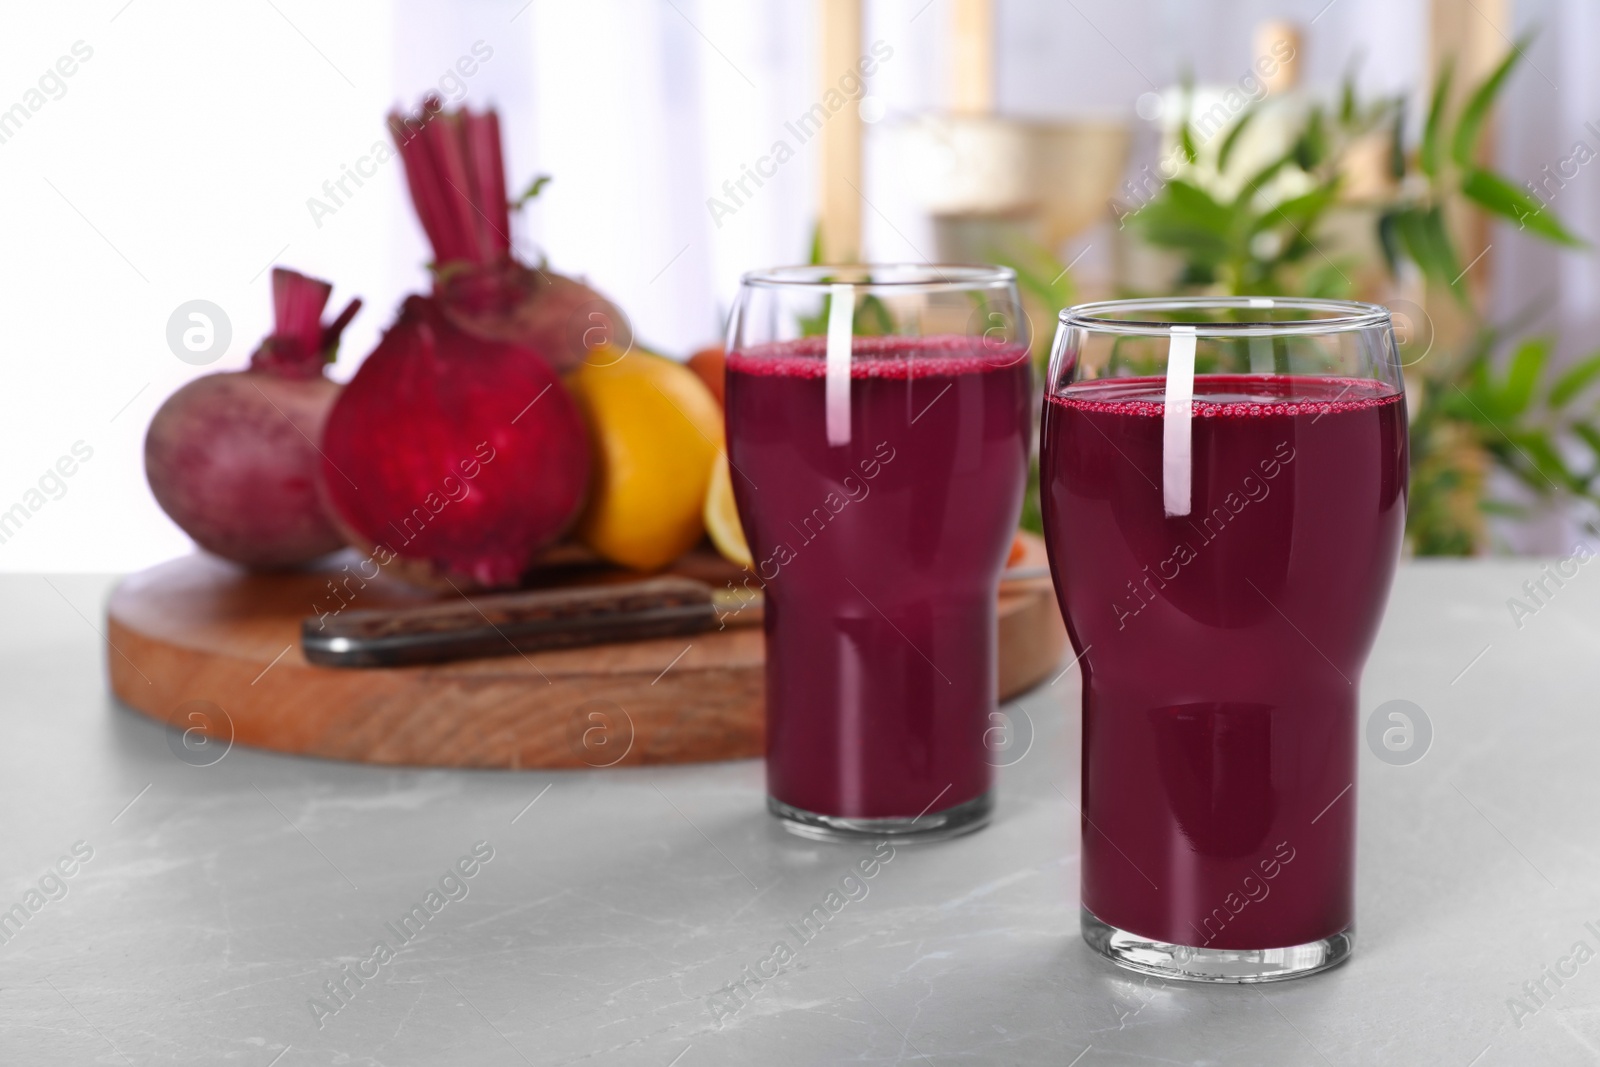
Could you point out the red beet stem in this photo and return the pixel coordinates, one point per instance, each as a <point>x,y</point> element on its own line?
<point>332,331</point>
<point>299,345</point>
<point>481,145</point>
<point>456,175</point>
<point>297,303</point>
<point>443,138</point>
<point>409,137</point>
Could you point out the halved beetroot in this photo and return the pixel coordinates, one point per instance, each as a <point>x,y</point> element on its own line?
<point>457,457</point>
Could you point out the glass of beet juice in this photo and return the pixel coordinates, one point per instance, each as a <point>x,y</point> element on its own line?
<point>878,434</point>
<point>1224,493</point>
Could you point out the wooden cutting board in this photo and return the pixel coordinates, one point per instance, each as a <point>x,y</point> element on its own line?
<point>209,649</point>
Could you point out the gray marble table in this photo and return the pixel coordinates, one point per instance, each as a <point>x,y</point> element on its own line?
<point>209,908</point>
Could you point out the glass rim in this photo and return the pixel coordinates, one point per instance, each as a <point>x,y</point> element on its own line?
<point>1338,316</point>
<point>902,277</point>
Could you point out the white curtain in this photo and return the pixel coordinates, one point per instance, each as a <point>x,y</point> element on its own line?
<point>1550,121</point>
<point>642,110</point>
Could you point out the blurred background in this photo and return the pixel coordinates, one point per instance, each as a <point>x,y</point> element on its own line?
<point>1101,146</point>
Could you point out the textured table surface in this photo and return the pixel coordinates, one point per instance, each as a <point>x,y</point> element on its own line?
<point>217,900</point>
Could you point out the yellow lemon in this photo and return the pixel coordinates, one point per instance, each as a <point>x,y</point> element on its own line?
<point>655,429</point>
<point>722,515</point>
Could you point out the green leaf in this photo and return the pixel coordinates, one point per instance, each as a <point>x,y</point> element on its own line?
<point>1397,144</point>
<point>1347,99</point>
<point>1574,380</point>
<point>1039,272</point>
<point>1494,193</point>
<point>1032,515</point>
<point>872,318</point>
<point>1199,204</point>
<point>1302,211</point>
<point>1589,435</point>
<point>1261,177</point>
<point>1185,218</point>
<point>534,188</point>
<point>1428,154</point>
<point>1446,262</point>
<point>1327,282</point>
<point>1428,243</point>
<point>815,258</point>
<point>1527,364</point>
<point>1389,241</point>
<point>1312,146</point>
<point>1228,142</point>
<point>1548,466</point>
<point>1470,125</point>
<point>1186,141</point>
<point>1502,507</point>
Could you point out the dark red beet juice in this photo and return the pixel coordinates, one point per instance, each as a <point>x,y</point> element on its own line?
<point>1222,650</point>
<point>879,561</point>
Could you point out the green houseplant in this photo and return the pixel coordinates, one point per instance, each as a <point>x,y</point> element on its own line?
<point>1347,209</point>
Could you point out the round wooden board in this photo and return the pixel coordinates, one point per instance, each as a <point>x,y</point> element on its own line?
<point>199,644</point>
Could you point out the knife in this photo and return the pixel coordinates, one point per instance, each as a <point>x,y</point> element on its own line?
<point>500,624</point>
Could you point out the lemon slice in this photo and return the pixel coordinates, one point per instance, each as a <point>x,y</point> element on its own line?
<point>722,515</point>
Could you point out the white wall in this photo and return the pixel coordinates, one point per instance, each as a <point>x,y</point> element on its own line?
<point>176,166</point>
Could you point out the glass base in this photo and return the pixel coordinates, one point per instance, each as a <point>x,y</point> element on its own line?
<point>1236,965</point>
<point>930,826</point>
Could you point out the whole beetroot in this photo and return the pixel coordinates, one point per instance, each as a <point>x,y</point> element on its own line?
<point>451,457</point>
<point>230,457</point>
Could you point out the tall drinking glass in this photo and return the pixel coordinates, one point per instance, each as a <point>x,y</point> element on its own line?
<point>1224,491</point>
<point>878,421</point>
